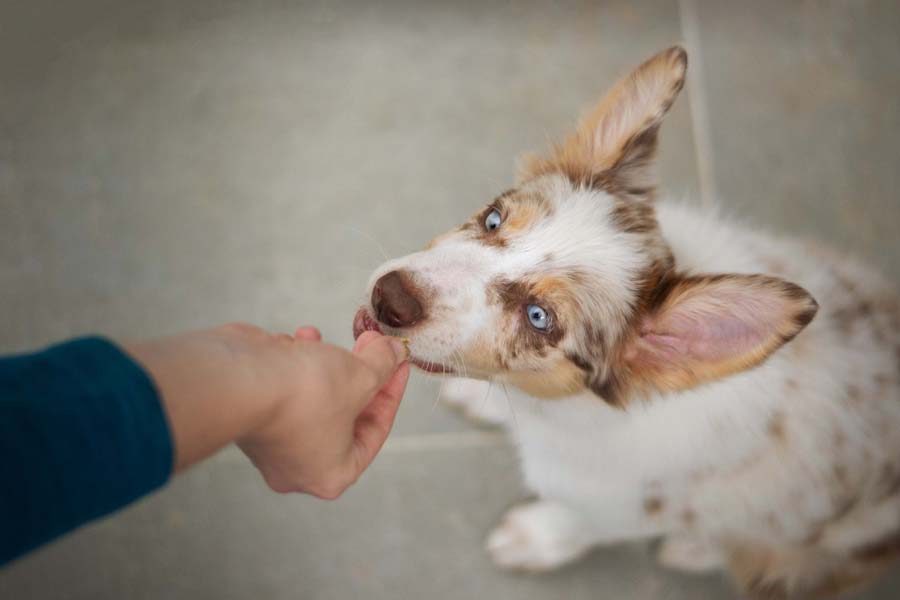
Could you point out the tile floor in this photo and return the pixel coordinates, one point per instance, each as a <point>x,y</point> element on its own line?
<point>174,164</point>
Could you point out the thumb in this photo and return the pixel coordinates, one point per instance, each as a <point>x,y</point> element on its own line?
<point>383,356</point>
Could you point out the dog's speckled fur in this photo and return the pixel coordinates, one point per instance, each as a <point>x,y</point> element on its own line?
<point>734,393</point>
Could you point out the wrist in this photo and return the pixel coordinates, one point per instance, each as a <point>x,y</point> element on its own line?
<point>213,385</point>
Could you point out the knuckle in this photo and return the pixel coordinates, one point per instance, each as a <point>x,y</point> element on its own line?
<point>336,485</point>
<point>328,492</point>
<point>239,328</point>
<point>279,484</point>
<point>368,378</point>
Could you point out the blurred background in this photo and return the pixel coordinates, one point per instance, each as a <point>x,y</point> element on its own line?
<point>167,165</point>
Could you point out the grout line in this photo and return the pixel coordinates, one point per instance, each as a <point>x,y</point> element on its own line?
<point>700,123</point>
<point>445,441</point>
<point>402,444</point>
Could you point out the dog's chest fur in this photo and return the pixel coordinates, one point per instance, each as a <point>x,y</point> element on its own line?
<point>809,440</point>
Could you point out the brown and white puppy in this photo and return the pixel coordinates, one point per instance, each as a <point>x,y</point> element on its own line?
<point>654,338</point>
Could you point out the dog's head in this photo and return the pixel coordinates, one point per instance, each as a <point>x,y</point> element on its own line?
<point>565,282</point>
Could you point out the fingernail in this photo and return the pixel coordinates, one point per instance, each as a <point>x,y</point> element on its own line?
<point>401,348</point>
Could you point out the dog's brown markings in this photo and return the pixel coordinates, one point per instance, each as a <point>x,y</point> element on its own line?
<point>659,288</point>
<point>804,317</point>
<point>594,334</point>
<point>843,317</point>
<point>519,212</point>
<point>839,472</point>
<point>559,380</point>
<point>612,150</point>
<point>897,359</point>
<point>524,213</point>
<point>688,517</point>
<point>634,216</point>
<point>845,580</point>
<point>886,549</point>
<point>503,195</point>
<point>612,389</point>
<point>864,309</point>
<point>647,375</point>
<point>766,573</point>
<point>580,362</point>
<point>502,361</point>
<point>777,429</point>
<point>514,296</point>
<point>888,482</point>
<point>484,235</point>
<point>610,383</point>
<point>755,570</point>
<point>815,537</point>
<point>773,523</point>
<point>653,505</point>
<point>847,316</point>
<point>476,226</point>
<point>612,147</point>
<point>894,486</point>
<point>840,440</point>
<point>846,283</point>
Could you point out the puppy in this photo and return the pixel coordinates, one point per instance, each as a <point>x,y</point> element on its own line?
<point>677,376</point>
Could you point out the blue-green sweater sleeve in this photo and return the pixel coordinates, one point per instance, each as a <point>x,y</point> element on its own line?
<point>82,433</point>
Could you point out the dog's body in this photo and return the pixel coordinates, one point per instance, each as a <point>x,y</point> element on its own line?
<point>778,460</point>
<point>790,472</point>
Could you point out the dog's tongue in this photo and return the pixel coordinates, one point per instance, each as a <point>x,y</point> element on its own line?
<point>363,322</point>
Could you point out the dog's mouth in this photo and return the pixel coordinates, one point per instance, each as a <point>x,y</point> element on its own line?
<point>363,321</point>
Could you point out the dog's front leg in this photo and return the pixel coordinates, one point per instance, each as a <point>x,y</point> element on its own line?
<point>539,536</point>
<point>546,534</point>
<point>480,401</point>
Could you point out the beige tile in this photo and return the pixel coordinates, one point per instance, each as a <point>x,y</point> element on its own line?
<point>181,166</point>
<point>804,118</point>
<point>413,528</point>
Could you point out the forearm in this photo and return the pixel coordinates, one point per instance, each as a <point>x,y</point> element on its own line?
<point>82,433</point>
<point>87,427</point>
<point>210,386</point>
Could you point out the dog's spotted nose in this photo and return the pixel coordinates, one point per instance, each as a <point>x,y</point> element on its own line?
<point>394,302</point>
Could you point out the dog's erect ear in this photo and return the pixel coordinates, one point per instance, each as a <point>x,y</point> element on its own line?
<point>613,147</point>
<point>699,329</point>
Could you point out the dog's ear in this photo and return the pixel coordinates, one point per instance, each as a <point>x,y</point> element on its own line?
<point>699,329</point>
<point>613,146</point>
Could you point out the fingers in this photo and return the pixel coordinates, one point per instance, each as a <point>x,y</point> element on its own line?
<point>364,339</point>
<point>396,385</point>
<point>308,333</point>
<point>375,422</point>
<point>382,355</point>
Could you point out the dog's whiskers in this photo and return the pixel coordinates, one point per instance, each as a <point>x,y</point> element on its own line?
<point>461,364</point>
<point>372,239</point>
<point>438,399</point>
<point>509,404</point>
<point>487,394</point>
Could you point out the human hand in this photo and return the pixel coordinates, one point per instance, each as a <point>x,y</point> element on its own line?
<point>334,415</point>
<point>309,415</point>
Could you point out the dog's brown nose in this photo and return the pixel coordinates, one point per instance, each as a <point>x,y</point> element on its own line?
<point>394,302</point>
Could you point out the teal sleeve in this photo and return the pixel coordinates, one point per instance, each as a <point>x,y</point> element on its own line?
<point>82,433</point>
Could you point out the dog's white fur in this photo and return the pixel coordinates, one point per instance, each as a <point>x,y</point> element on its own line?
<point>706,454</point>
<point>788,472</point>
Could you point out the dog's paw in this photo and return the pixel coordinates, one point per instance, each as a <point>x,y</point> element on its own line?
<point>538,537</point>
<point>476,400</point>
<point>690,554</point>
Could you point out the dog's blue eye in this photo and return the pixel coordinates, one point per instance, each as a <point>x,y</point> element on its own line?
<point>493,220</point>
<point>538,317</point>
